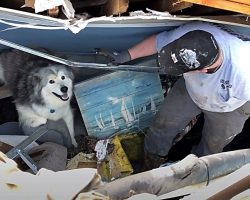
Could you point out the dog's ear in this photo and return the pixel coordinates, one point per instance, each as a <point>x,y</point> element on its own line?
<point>71,73</point>
<point>35,78</point>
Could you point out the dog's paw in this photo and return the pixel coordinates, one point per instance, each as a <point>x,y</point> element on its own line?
<point>36,122</point>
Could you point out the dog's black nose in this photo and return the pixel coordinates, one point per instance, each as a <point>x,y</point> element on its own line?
<point>64,89</point>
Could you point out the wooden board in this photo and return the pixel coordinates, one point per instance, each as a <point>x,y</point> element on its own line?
<point>242,6</point>
<point>241,1</point>
<point>119,102</point>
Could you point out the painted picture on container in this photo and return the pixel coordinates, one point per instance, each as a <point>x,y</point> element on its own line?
<point>119,102</point>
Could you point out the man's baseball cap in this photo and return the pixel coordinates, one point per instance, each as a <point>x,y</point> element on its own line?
<point>193,51</point>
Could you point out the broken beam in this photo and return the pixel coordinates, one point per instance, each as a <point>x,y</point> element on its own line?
<point>115,7</point>
<point>171,5</point>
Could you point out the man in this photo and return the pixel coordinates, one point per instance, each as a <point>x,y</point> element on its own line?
<point>215,82</point>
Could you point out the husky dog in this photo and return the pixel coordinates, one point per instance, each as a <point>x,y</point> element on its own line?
<point>41,89</point>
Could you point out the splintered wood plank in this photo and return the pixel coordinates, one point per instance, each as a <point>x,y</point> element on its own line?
<point>171,5</point>
<point>225,5</point>
<point>115,7</point>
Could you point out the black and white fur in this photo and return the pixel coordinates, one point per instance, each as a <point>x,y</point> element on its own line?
<point>41,89</point>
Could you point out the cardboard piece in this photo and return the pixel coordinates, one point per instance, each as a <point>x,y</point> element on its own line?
<point>82,160</point>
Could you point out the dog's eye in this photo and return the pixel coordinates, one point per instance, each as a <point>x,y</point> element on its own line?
<point>63,77</point>
<point>51,81</point>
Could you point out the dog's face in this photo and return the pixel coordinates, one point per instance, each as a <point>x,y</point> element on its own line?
<point>57,84</point>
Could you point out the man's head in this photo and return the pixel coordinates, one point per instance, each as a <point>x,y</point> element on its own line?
<point>195,50</point>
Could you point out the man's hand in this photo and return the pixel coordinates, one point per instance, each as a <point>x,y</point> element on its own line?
<point>116,58</point>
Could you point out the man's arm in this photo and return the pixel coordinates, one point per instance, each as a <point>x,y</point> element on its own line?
<point>145,48</point>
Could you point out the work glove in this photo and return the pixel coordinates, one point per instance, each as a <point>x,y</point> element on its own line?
<point>116,58</point>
